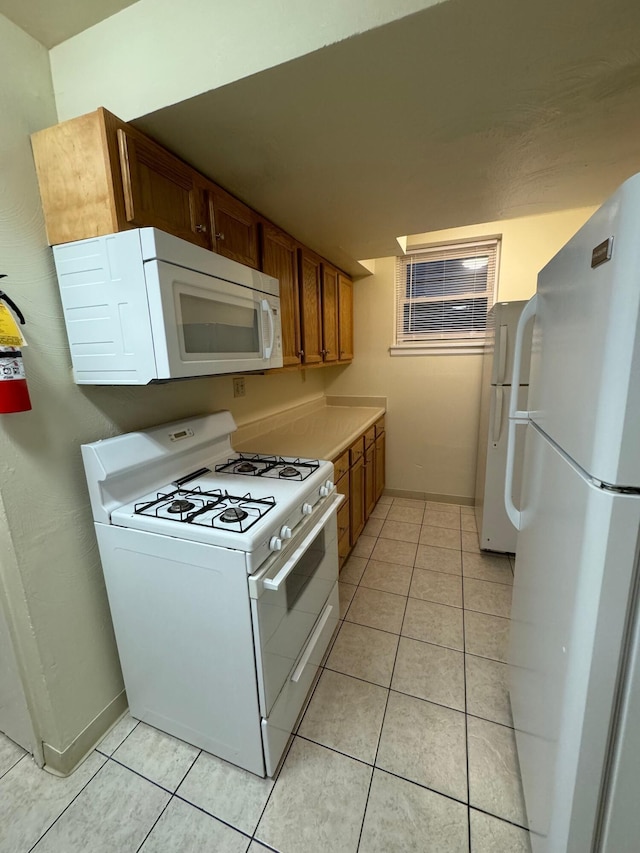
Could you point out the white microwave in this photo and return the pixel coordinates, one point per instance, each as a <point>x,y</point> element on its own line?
<point>144,306</point>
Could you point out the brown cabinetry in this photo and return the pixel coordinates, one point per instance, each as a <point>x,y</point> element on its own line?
<point>159,190</point>
<point>359,476</point>
<point>98,175</point>
<point>330,335</point>
<point>234,228</point>
<point>279,259</point>
<point>356,489</point>
<point>369,472</point>
<point>345,318</point>
<point>310,268</point>
<point>379,458</point>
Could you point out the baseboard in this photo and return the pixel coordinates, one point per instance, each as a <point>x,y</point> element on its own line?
<point>429,496</point>
<point>62,763</point>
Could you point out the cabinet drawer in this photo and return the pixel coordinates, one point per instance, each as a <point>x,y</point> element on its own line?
<point>356,451</point>
<point>342,486</point>
<point>341,466</point>
<point>343,521</point>
<point>369,437</point>
<point>379,426</point>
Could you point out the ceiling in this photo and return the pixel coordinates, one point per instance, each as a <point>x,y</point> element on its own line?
<point>54,21</point>
<point>465,112</point>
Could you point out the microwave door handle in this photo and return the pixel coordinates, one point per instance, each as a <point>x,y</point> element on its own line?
<point>272,328</point>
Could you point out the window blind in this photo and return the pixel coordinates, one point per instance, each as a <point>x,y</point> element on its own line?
<point>443,294</point>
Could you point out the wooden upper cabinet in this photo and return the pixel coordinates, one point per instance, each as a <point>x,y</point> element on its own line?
<point>98,175</point>
<point>160,190</point>
<point>345,318</point>
<point>75,162</point>
<point>329,313</point>
<point>310,271</point>
<point>234,228</point>
<point>279,259</point>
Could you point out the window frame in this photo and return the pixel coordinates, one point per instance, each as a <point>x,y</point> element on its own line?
<point>450,343</point>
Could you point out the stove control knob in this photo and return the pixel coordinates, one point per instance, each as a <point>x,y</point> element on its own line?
<point>307,509</point>
<point>275,544</point>
<point>285,532</point>
<point>326,489</point>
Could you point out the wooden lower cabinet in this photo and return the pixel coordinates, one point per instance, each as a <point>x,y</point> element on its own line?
<point>344,526</point>
<point>369,480</point>
<point>379,466</point>
<point>356,499</point>
<point>359,476</point>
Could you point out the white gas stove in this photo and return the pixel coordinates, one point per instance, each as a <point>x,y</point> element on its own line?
<point>221,571</point>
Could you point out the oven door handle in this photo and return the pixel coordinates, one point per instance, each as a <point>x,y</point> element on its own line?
<point>274,584</point>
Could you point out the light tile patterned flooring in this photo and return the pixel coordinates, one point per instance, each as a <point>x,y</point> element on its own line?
<point>406,744</point>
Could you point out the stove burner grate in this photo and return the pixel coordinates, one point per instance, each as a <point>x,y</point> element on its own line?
<point>216,509</point>
<point>232,514</point>
<point>276,467</point>
<point>289,471</point>
<point>180,506</point>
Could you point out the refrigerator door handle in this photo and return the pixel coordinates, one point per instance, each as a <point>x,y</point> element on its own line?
<point>502,354</point>
<point>530,310</point>
<point>515,416</point>
<point>497,415</point>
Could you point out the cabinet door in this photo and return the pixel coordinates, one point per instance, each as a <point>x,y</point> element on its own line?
<point>344,541</point>
<point>329,313</point>
<point>356,498</point>
<point>234,228</point>
<point>369,481</point>
<point>279,259</point>
<point>311,318</point>
<point>380,462</point>
<point>345,318</point>
<point>160,190</point>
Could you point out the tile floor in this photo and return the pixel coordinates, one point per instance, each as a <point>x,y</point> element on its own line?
<point>406,744</point>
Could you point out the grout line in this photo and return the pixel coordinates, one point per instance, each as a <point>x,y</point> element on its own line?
<point>15,763</point>
<point>153,826</point>
<point>128,734</point>
<point>71,802</point>
<point>182,799</point>
<point>384,716</point>
<point>466,715</point>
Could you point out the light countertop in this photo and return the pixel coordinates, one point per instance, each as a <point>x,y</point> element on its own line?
<point>320,434</point>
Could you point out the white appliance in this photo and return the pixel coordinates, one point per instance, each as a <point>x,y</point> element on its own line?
<point>495,530</point>
<point>221,571</point>
<point>574,648</point>
<point>144,306</point>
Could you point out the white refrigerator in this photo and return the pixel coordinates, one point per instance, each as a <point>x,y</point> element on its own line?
<point>574,646</point>
<point>495,530</point>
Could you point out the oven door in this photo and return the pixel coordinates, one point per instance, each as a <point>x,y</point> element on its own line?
<point>205,325</point>
<point>287,597</point>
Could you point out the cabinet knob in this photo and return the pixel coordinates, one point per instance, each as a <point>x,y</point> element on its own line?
<point>300,353</point>
<point>201,229</point>
<point>219,235</point>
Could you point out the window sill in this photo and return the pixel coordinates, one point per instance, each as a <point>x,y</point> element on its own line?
<point>472,348</point>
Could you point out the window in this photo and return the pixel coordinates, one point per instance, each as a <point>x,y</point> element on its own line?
<point>443,295</point>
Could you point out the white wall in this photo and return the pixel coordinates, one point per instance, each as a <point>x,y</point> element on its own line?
<point>174,51</point>
<point>51,585</point>
<point>433,401</point>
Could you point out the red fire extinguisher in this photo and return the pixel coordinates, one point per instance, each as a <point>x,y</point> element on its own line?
<point>14,394</point>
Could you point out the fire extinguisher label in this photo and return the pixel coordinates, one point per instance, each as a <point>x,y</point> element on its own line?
<point>10,334</point>
<point>11,368</point>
